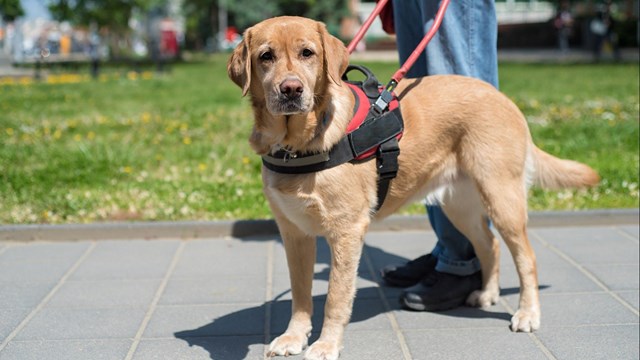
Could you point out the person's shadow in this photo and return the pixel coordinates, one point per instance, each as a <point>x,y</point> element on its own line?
<point>231,336</point>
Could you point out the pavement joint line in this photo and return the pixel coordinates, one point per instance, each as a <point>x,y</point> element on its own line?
<point>268,299</point>
<point>154,303</point>
<point>404,347</point>
<point>628,236</point>
<point>50,295</point>
<point>585,272</point>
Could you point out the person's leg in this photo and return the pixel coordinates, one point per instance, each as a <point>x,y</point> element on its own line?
<point>454,251</point>
<point>408,24</point>
<point>465,44</point>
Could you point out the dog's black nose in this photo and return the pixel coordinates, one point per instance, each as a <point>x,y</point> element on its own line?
<point>291,88</point>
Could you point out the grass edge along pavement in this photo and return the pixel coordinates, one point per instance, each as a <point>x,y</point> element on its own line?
<point>174,147</point>
<point>267,227</point>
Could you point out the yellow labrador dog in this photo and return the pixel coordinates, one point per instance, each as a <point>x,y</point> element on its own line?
<point>465,145</point>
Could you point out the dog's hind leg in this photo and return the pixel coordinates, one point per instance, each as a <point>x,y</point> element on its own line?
<point>507,206</point>
<point>346,249</point>
<point>464,208</point>
<point>301,256</point>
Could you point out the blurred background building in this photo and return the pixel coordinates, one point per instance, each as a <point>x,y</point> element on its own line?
<point>162,29</point>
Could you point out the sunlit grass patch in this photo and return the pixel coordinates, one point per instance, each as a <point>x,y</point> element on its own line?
<point>174,147</point>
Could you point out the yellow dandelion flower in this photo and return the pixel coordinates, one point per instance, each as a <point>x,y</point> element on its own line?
<point>126,169</point>
<point>57,134</point>
<point>186,140</point>
<point>202,166</point>
<point>9,131</point>
<point>146,117</point>
<point>132,75</point>
<point>77,137</point>
<point>91,135</point>
<point>245,160</point>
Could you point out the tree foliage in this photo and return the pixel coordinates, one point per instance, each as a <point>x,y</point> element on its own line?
<point>202,22</point>
<point>114,14</point>
<point>248,12</point>
<point>10,9</point>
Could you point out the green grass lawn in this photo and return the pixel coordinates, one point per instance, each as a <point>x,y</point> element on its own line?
<point>174,147</point>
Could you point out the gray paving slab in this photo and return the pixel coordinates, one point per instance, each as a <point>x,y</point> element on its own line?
<point>592,245</point>
<point>10,319</point>
<point>18,295</point>
<point>39,262</point>
<point>203,258</point>
<point>472,344</point>
<point>134,259</point>
<point>368,314</point>
<point>616,276</point>
<point>205,299</point>
<point>562,310</point>
<point>592,342</point>
<point>214,348</point>
<point>206,320</point>
<point>105,294</point>
<point>632,230</point>
<point>551,279</point>
<point>67,349</point>
<point>461,318</point>
<point>215,289</point>
<point>632,297</point>
<point>81,323</point>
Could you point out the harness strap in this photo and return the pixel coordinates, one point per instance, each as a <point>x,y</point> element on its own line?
<point>372,133</point>
<point>387,167</point>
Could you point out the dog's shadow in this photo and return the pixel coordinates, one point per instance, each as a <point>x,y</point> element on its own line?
<point>370,302</point>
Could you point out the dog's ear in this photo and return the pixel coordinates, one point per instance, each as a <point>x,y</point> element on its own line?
<point>239,64</point>
<point>336,56</point>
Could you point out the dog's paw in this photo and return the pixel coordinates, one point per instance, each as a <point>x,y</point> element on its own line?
<point>525,321</point>
<point>322,350</point>
<point>483,298</point>
<point>287,344</point>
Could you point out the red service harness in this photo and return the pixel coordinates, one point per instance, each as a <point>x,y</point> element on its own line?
<point>361,112</point>
<point>373,132</point>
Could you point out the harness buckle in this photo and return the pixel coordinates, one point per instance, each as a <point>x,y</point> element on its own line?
<point>382,102</point>
<point>387,159</point>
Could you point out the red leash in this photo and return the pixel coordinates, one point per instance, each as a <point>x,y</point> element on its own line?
<point>400,74</point>
<point>366,26</point>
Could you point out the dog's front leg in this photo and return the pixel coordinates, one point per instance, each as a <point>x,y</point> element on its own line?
<point>301,256</point>
<point>345,256</point>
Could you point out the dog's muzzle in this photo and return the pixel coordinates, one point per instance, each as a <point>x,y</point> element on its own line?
<point>290,98</point>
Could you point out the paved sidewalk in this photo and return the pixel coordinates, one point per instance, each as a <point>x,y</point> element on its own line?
<point>225,298</point>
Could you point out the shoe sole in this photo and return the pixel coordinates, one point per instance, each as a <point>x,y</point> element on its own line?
<point>448,305</point>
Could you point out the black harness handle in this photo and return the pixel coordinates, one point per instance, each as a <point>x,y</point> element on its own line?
<point>369,85</point>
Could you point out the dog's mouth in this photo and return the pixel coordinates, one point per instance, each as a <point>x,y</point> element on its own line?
<point>284,105</point>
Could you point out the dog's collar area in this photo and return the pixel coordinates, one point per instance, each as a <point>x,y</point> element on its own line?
<point>369,134</point>
<point>366,132</point>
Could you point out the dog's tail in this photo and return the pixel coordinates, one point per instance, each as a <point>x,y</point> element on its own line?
<point>554,173</point>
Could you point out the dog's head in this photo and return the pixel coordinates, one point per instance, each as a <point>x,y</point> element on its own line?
<point>287,62</point>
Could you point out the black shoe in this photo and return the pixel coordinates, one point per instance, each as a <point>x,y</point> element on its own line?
<point>410,273</point>
<point>440,291</point>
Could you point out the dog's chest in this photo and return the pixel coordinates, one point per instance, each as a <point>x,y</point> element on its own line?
<point>303,209</point>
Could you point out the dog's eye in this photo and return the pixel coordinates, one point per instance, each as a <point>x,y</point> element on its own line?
<point>266,56</point>
<point>307,53</point>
